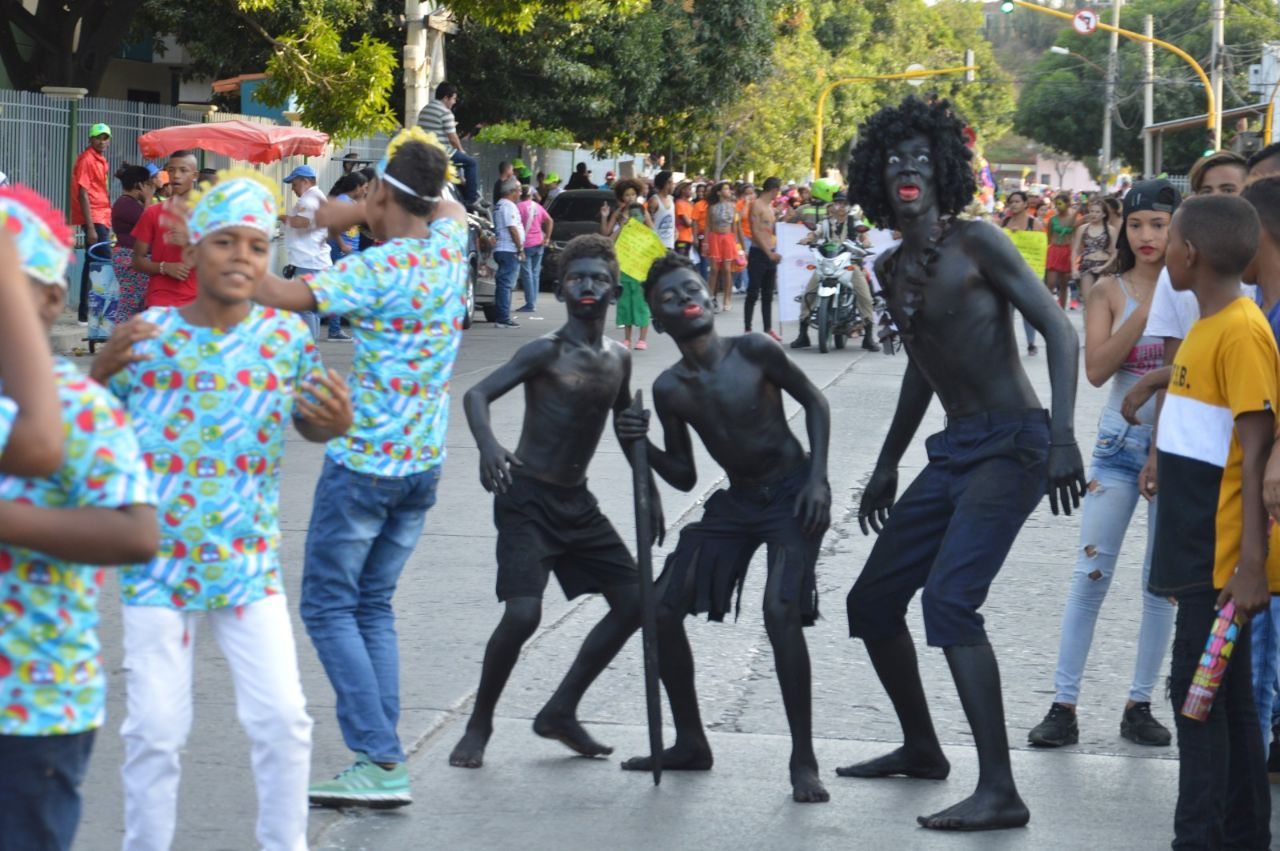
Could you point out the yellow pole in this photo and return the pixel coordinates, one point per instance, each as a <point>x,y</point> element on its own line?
<point>1271,112</point>
<point>1130,34</point>
<point>903,75</point>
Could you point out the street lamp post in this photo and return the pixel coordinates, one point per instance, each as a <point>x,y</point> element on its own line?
<point>1066,51</point>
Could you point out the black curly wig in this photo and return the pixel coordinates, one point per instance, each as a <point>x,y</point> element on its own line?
<point>954,182</point>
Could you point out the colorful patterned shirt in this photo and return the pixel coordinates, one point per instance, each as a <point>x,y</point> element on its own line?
<point>51,677</point>
<point>8,413</point>
<point>405,300</point>
<point>210,407</point>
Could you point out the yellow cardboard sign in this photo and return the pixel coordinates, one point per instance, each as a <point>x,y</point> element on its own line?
<point>1033,246</point>
<point>637,246</point>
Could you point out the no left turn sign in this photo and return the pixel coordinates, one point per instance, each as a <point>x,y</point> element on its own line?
<point>1085,21</point>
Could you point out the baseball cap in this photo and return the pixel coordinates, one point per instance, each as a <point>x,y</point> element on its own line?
<point>1158,196</point>
<point>553,177</point>
<point>99,129</point>
<point>840,197</point>
<point>301,171</point>
<point>610,174</point>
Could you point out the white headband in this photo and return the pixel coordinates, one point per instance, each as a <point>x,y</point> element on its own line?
<point>404,188</point>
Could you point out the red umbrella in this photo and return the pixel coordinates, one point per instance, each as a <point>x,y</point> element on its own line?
<point>240,140</point>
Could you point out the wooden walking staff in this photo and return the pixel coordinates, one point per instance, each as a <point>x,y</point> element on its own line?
<point>648,606</point>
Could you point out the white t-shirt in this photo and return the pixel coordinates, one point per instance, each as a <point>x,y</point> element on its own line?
<point>1173,313</point>
<point>307,248</point>
<point>506,216</point>
<point>664,222</point>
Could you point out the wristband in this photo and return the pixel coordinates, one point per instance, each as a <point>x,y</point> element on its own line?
<point>162,268</point>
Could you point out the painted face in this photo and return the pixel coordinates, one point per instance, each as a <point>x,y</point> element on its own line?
<point>1060,204</point>
<point>587,287</point>
<point>231,262</point>
<point>681,304</point>
<point>1148,234</point>
<point>1226,179</point>
<point>908,176</point>
<point>182,174</point>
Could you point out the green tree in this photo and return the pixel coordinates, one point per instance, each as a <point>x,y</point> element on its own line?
<point>770,128</point>
<point>67,43</point>
<point>615,81</point>
<point>1061,102</point>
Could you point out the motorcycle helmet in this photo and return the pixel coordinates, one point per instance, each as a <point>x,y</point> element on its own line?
<point>823,189</point>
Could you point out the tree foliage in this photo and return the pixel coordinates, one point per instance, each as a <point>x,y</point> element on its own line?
<point>769,128</point>
<point>519,16</point>
<point>73,40</point>
<point>614,80</point>
<point>1062,101</point>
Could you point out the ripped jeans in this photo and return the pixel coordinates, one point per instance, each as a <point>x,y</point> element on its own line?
<point>1118,457</point>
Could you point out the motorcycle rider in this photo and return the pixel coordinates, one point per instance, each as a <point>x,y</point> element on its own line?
<point>838,226</point>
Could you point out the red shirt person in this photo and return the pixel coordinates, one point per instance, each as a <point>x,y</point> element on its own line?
<point>90,203</point>
<point>173,276</point>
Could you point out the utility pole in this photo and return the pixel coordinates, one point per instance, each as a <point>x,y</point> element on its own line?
<point>1148,96</point>
<point>1215,72</point>
<point>426,25</point>
<point>1113,60</point>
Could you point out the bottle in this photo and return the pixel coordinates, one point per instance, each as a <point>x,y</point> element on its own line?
<point>1213,664</point>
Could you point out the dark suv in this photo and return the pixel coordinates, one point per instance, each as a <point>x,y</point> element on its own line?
<point>575,212</point>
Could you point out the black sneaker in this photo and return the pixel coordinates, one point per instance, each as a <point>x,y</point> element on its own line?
<point>1273,758</point>
<point>1139,727</point>
<point>1057,729</point>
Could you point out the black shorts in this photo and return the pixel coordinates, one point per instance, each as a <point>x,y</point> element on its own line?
<point>719,548</point>
<point>545,528</point>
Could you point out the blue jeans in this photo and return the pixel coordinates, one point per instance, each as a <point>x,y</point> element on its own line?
<point>504,281</point>
<point>1118,457</point>
<point>740,278</point>
<point>470,173</point>
<point>1265,628</point>
<point>363,530</point>
<point>531,273</point>
<point>40,790</point>
<point>951,531</point>
<point>93,234</point>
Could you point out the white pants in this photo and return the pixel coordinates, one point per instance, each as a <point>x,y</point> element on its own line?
<point>257,642</point>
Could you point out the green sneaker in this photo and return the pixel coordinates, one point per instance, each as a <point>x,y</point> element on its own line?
<point>364,784</point>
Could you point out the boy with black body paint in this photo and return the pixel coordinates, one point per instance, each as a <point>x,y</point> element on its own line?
<point>729,390</point>
<point>547,520</point>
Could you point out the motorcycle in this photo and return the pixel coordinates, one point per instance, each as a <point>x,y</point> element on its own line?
<point>834,314</point>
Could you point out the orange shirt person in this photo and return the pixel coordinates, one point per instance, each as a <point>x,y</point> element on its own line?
<point>684,218</point>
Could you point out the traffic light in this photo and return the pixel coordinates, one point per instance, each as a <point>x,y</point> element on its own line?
<point>1209,149</point>
<point>1006,6</point>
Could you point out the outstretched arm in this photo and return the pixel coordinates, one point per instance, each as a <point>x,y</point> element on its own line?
<point>284,293</point>
<point>86,535</point>
<point>882,488</point>
<point>813,504</point>
<point>1011,277</point>
<point>495,460</point>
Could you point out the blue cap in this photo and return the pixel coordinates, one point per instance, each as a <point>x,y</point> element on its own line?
<point>152,169</point>
<point>301,171</point>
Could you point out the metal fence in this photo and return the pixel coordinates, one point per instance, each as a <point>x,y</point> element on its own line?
<point>33,142</point>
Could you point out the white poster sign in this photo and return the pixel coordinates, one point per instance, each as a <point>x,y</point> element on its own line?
<point>793,277</point>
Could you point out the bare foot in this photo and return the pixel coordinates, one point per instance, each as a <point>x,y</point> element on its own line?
<point>806,788</point>
<point>901,763</point>
<point>678,757</point>
<point>469,752</point>
<point>983,810</point>
<point>567,731</point>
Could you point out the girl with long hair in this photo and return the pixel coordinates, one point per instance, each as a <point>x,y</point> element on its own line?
<point>722,243</point>
<point>1018,216</point>
<point>1117,349</point>
<point>1093,246</point>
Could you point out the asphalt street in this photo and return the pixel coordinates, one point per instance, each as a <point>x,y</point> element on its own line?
<point>1104,793</point>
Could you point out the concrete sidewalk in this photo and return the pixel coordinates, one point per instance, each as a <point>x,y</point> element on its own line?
<point>534,794</point>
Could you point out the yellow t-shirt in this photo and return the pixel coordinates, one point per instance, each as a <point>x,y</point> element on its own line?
<point>1227,366</point>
